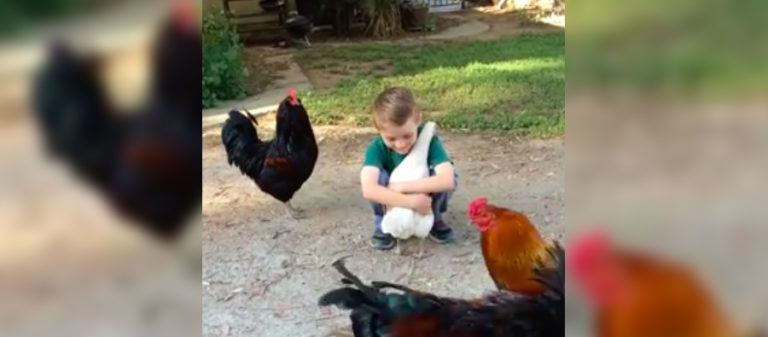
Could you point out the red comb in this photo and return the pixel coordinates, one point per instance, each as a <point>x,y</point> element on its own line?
<point>586,245</point>
<point>292,94</point>
<point>183,13</point>
<point>475,205</point>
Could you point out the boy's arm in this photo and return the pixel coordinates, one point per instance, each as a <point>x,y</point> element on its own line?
<point>369,182</point>
<point>443,180</point>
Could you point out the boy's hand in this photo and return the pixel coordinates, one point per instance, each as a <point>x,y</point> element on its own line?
<point>421,203</point>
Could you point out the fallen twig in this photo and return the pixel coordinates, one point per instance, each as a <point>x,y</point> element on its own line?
<point>463,254</point>
<point>329,317</point>
<point>231,295</point>
<point>410,272</point>
<point>406,278</point>
<point>283,308</point>
<point>278,233</point>
<point>270,283</point>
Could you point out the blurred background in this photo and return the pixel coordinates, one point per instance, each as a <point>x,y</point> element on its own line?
<point>666,140</point>
<point>84,250</point>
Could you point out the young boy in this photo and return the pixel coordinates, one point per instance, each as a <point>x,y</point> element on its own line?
<point>398,120</point>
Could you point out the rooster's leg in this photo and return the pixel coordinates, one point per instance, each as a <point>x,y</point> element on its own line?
<point>295,213</point>
<point>397,249</point>
<point>306,38</point>
<point>420,255</point>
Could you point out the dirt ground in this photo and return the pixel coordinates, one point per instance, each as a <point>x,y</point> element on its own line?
<point>263,271</point>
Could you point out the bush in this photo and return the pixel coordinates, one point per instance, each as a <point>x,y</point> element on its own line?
<point>17,16</point>
<point>224,74</point>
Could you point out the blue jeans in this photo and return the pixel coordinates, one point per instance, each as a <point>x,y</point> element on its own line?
<point>439,202</point>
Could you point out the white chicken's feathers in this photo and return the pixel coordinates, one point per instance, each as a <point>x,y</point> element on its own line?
<point>400,222</point>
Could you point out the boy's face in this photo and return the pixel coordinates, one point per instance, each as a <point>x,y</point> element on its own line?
<point>400,138</point>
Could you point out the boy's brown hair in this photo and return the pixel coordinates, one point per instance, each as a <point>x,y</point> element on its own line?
<point>394,105</point>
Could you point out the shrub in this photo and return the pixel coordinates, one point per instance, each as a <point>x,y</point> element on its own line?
<point>224,74</point>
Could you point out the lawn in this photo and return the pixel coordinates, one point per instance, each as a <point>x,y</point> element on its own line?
<point>514,84</point>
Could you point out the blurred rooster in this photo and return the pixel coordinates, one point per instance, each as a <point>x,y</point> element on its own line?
<point>411,313</point>
<point>177,61</point>
<point>278,166</point>
<point>146,162</point>
<point>298,28</point>
<point>511,246</point>
<point>157,176</point>
<point>74,114</point>
<point>638,296</point>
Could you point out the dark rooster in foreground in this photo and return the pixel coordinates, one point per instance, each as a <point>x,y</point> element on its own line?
<point>278,166</point>
<point>511,246</point>
<point>636,295</point>
<point>411,313</point>
<point>147,162</point>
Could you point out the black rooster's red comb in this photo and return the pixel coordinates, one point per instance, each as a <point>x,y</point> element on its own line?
<point>183,13</point>
<point>292,95</point>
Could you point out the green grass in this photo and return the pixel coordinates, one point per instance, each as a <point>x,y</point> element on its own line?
<point>678,49</point>
<point>514,84</point>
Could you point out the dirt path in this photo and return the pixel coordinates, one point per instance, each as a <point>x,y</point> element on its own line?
<point>264,272</point>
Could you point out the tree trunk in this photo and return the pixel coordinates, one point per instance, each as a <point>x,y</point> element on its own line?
<point>342,17</point>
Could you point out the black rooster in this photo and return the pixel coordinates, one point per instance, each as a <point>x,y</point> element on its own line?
<point>177,62</point>
<point>271,5</point>
<point>147,163</point>
<point>298,28</point>
<point>74,114</point>
<point>279,166</point>
<point>413,313</point>
<point>157,174</point>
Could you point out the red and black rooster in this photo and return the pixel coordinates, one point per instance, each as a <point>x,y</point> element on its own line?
<point>147,163</point>
<point>411,313</point>
<point>279,166</point>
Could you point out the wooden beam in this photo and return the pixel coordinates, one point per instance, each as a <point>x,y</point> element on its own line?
<point>290,5</point>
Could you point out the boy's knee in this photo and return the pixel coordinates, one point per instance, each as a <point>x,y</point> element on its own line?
<point>378,209</point>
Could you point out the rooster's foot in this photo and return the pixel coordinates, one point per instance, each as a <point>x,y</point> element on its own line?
<point>293,212</point>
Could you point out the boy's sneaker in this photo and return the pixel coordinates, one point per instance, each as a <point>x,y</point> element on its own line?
<point>441,233</point>
<point>382,241</point>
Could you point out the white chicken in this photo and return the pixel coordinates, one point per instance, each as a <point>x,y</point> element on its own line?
<point>403,223</point>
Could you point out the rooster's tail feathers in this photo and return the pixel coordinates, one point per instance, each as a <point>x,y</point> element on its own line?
<point>370,298</point>
<point>239,136</point>
<point>551,273</point>
<point>347,298</point>
<point>251,117</point>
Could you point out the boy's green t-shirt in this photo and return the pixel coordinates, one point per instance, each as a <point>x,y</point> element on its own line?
<point>379,155</point>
